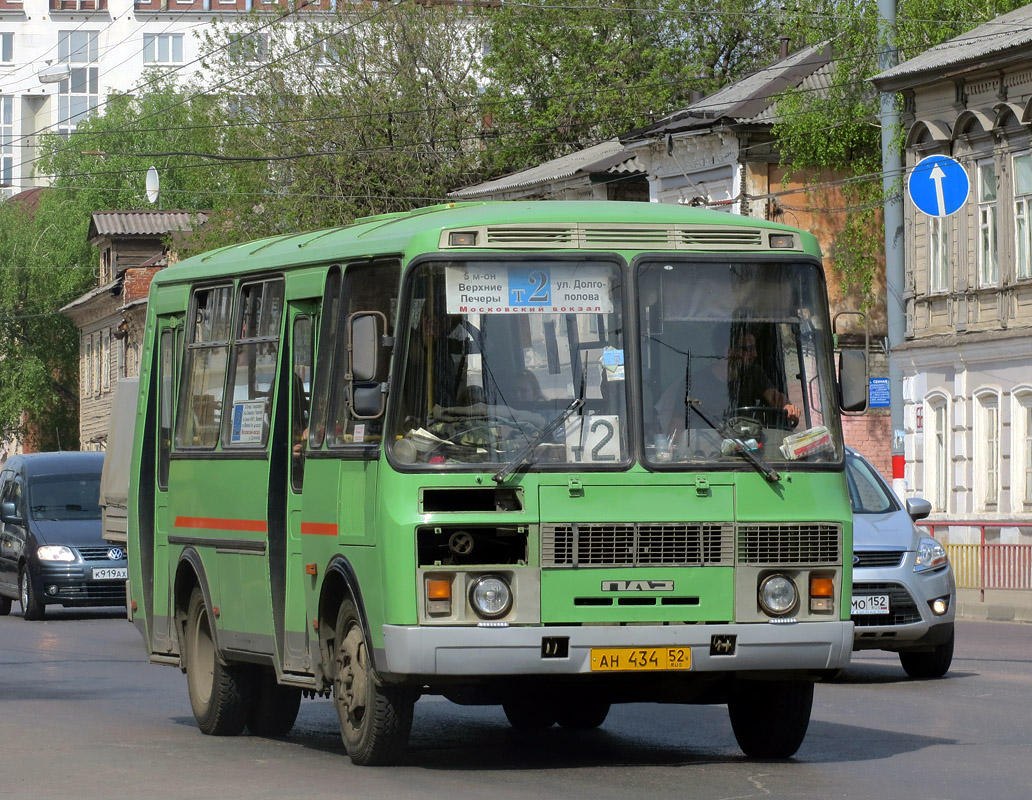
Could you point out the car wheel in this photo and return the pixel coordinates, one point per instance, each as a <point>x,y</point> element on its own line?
<point>582,713</point>
<point>274,707</point>
<point>770,718</point>
<point>32,604</point>
<point>218,694</point>
<point>529,715</point>
<point>929,665</point>
<point>5,606</point>
<point>375,720</point>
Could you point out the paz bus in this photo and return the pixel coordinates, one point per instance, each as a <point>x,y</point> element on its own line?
<point>544,455</point>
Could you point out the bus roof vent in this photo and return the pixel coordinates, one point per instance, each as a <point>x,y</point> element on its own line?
<point>537,236</point>
<point>719,238</point>
<point>644,237</point>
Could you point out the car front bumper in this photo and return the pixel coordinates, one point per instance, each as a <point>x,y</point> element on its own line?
<point>911,623</point>
<point>73,584</point>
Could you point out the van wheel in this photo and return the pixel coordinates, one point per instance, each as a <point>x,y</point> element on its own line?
<point>770,718</point>
<point>274,707</point>
<point>218,693</point>
<point>32,604</point>
<point>529,714</point>
<point>5,606</point>
<point>582,713</point>
<point>929,665</point>
<point>375,720</point>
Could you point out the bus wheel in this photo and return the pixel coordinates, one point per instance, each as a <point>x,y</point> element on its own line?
<point>274,707</point>
<point>375,720</point>
<point>529,714</point>
<point>219,694</point>
<point>32,604</point>
<point>582,713</point>
<point>770,718</point>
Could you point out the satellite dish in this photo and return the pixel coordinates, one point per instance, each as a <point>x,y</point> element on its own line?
<point>153,185</point>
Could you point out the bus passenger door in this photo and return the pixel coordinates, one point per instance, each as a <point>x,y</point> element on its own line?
<point>295,617</point>
<point>157,588</point>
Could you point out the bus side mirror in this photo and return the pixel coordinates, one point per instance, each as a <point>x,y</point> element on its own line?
<point>853,380</point>
<point>365,340</point>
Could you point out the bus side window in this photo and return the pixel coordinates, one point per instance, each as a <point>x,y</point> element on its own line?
<point>367,287</point>
<point>331,320</point>
<point>204,368</point>
<point>166,395</point>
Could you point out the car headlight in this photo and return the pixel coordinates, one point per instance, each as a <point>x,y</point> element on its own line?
<point>778,595</point>
<point>490,597</point>
<point>55,552</point>
<point>930,555</point>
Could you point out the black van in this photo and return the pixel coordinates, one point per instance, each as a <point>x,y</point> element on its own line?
<point>51,545</point>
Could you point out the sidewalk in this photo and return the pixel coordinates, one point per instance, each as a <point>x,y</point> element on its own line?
<point>1000,605</point>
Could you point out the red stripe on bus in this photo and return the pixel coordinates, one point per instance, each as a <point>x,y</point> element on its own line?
<point>217,524</point>
<point>319,528</point>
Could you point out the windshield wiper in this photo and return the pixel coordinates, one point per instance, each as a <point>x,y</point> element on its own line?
<point>742,448</point>
<point>541,435</point>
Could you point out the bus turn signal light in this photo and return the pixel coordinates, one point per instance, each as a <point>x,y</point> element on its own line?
<point>822,594</point>
<point>438,596</point>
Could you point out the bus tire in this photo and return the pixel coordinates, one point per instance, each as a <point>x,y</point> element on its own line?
<point>274,707</point>
<point>582,713</point>
<point>32,604</point>
<point>770,718</point>
<point>529,715</point>
<point>929,665</point>
<point>218,694</point>
<point>375,720</point>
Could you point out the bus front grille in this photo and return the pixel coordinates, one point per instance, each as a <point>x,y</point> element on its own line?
<point>789,543</point>
<point>689,544</point>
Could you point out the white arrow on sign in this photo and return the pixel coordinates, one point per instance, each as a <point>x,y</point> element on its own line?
<point>937,175</point>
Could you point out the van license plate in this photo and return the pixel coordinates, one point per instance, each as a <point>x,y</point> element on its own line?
<point>110,573</point>
<point>640,659</point>
<point>870,604</point>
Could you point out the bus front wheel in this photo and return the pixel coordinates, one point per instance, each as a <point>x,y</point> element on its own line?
<point>218,694</point>
<point>770,718</point>
<point>375,720</point>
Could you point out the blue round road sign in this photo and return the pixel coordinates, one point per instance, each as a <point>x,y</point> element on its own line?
<point>938,185</point>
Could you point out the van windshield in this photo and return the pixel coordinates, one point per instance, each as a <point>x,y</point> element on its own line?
<point>64,497</point>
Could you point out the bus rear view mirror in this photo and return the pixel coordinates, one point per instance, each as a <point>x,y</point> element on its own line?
<point>853,380</point>
<point>365,345</point>
<point>367,402</point>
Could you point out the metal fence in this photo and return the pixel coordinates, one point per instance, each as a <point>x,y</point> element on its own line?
<point>985,565</point>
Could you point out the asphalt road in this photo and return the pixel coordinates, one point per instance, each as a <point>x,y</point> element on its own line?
<point>83,715</point>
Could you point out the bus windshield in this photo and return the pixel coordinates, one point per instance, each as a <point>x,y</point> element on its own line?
<point>736,356</point>
<point>494,353</point>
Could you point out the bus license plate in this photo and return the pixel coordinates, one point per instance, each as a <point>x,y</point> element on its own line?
<point>870,604</point>
<point>110,573</point>
<point>640,659</point>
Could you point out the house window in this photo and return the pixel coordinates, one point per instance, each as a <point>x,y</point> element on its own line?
<point>78,94</point>
<point>6,48</point>
<point>251,48</point>
<point>937,454</point>
<point>988,269</point>
<point>163,48</point>
<point>87,367</point>
<point>1022,461</point>
<point>6,144</point>
<point>105,361</point>
<point>1022,201</point>
<point>987,452</point>
<point>939,254</point>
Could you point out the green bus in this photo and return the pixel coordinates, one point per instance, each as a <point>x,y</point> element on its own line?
<point>544,455</point>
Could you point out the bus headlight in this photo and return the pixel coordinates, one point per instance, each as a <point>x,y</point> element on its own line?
<point>490,597</point>
<point>778,595</point>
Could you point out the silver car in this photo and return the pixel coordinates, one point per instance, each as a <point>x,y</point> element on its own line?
<point>904,594</point>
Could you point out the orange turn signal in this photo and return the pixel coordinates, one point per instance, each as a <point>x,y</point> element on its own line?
<point>821,587</point>
<point>438,590</point>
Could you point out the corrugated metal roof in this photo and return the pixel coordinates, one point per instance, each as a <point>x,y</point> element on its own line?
<point>144,223</point>
<point>751,99</point>
<point>1006,32</point>
<point>609,156</point>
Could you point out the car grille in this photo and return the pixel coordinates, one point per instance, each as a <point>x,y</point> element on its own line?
<point>95,553</point>
<point>111,591</point>
<point>902,608</point>
<point>878,558</point>
<point>687,544</point>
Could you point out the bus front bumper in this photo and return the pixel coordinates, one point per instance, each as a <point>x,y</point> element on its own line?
<point>566,650</point>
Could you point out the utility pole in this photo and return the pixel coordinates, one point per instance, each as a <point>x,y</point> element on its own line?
<point>892,173</point>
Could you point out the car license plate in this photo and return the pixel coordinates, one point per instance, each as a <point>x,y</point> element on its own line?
<point>110,573</point>
<point>870,604</point>
<point>639,659</point>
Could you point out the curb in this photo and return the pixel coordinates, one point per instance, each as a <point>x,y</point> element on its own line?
<point>994,612</point>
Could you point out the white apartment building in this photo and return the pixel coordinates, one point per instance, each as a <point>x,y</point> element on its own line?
<point>59,59</point>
